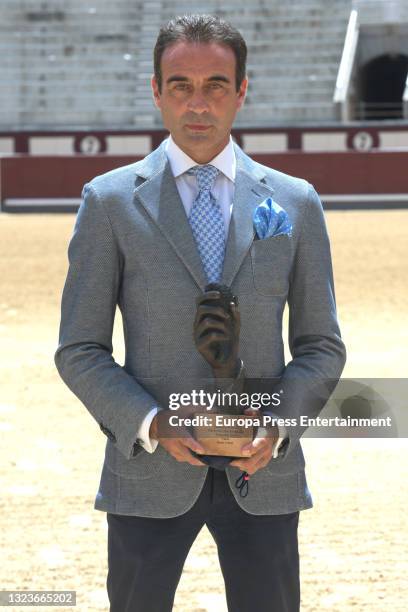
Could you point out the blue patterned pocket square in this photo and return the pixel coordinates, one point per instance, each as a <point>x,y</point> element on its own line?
<point>270,219</point>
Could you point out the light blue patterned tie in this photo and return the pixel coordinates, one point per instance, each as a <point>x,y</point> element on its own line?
<point>207,223</point>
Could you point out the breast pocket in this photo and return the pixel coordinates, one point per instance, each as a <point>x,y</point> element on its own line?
<point>271,260</point>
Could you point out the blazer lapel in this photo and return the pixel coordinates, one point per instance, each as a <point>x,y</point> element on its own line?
<point>250,190</point>
<point>160,197</point>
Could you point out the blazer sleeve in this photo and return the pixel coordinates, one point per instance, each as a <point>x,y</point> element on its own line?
<point>317,350</point>
<point>84,355</point>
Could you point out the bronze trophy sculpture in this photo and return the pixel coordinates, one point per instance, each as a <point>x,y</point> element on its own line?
<point>216,335</point>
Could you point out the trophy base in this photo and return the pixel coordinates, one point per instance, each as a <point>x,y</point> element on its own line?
<point>225,440</point>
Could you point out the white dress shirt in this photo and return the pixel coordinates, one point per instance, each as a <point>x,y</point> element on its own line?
<point>223,192</point>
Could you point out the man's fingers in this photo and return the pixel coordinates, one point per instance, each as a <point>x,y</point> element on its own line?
<point>194,461</point>
<point>252,464</point>
<point>255,446</point>
<point>189,442</point>
<point>182,454</point>
<point>213,313</point>
<point>207,324</point>
<point>189,458</point>
<point>206,341</point>
<point>208,296</point>
<point>262,459</point>
<point>212,310</point>
<point>248,465</point>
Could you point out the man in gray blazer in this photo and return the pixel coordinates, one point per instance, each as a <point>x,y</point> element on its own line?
<point>138,243</point>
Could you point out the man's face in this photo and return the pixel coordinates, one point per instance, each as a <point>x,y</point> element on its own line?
<point>199,100</point>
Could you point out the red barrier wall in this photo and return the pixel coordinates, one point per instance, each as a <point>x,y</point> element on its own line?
<point>331,173</point>
<point>24,176</point>
<point>346,173</point>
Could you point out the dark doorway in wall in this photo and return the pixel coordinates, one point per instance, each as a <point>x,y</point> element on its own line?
<point>381,85</point>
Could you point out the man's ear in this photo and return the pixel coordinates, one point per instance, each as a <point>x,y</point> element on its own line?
<point>155,91</point>
<point>241,93</point>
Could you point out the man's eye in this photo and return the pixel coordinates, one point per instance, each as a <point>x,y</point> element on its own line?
<point>215,85</point>
<point>181,86</point>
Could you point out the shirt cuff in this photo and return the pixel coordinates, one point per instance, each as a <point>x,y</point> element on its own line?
<point>147,443</point>
<point>282,435</point>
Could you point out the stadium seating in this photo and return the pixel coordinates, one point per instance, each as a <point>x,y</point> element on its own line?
<point>76,63</point>
<point>382,11</point>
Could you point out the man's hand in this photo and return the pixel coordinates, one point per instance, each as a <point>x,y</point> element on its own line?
<point>259,451</point>
<point>177,447</point>
<point>216,334</point>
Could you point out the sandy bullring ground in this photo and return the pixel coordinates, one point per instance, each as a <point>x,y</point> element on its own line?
<point>353,543</point>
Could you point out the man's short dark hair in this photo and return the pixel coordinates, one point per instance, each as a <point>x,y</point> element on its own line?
<point>201,29</point>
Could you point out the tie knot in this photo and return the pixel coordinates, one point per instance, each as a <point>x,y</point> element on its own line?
<point>205,176</point>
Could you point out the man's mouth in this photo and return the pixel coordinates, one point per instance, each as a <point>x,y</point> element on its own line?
<point>197,127</point>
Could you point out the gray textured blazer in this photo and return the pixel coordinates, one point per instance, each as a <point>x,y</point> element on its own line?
<point>132,246</point>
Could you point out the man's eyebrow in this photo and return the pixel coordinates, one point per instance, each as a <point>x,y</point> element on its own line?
<point>176,77</point>
<point>219,77</point>
<point>183,79</point>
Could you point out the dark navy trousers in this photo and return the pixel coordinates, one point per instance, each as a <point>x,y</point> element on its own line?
<point>258,555</point>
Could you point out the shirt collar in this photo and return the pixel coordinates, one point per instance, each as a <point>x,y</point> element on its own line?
<point>180,162</point>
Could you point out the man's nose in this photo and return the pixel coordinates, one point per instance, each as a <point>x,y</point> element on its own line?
<point>198,103</point>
